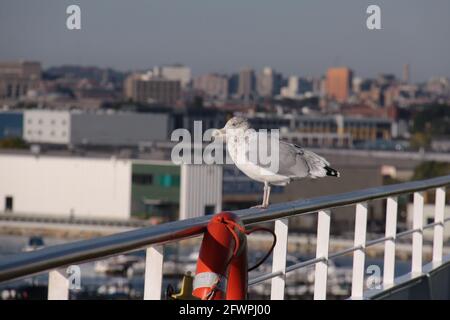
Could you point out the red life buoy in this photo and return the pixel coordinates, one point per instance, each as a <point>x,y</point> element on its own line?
<point>222,265</point>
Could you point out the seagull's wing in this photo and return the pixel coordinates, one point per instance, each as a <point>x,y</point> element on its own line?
<point>307,163</point>
<point>293,160</point>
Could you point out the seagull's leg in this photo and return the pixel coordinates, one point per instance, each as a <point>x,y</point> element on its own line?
<point>266,185</point>
<point>266,199</point>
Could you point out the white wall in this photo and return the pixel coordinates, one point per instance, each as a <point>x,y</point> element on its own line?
<point>201,185</point>
<point>88,187</point>
<point>45,126</point>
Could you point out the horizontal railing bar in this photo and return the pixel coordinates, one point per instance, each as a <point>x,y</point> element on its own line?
<point>304,264</point>
<point>407,232</point>
<point>431,225</point>
<point>293,267</point>
<point>377,241</point>
<point>344,252</point>
<point>30,263</point>
<point>264,277</point>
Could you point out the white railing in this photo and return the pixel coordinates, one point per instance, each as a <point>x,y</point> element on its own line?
<point>154,238</point>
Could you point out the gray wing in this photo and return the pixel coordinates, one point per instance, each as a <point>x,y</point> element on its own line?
<point>293,161</point>
<point>299,162</point>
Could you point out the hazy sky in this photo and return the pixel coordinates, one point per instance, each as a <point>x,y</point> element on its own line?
<point>301,37</point>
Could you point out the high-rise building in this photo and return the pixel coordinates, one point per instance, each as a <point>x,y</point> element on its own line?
<point>338,83</point>
<point>17,78</point>
<point>150,89</point>
<point>174,72</point>
<point>292,88</point>
<point>268,82</point>
<point>213,85</point>
<point>406,74</point>
<point>246,88</point>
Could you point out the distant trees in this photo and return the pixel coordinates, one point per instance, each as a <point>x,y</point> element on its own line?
<point>431,169</point>
<point>433,120</point>
<point>428,122</point>
<point>13,143</point>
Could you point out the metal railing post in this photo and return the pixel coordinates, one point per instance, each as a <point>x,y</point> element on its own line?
<point>323,238</point>
<point>389,245</point>
<point>58,285</point>
<point>438,238</point>
<point>279,260</point>
<point>417,237</point>
<point>153,272</point>
<point>359,254</point>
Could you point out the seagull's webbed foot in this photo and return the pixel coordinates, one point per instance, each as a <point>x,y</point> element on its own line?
<point>261,206</point>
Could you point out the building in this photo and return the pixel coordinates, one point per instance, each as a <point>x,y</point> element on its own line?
<point>354,128</point>
<point>214,86</point>
<point>338,83</point>
<point>292,89</point>
<point>406,73</point>
<point>336,131</point>
<point>17,78</point>
<point>11,124</point>
<point>94,128</point>
<point>246,89</point>
<point>46,126</point>
<point>268,83</point>
<point>146,88</point>
<point>107,187</point>
<point>175,72</point>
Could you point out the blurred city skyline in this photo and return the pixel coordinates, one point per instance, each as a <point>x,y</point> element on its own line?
<point>294,38</point>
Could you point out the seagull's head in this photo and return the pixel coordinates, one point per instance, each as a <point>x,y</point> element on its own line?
<point>235,125</point>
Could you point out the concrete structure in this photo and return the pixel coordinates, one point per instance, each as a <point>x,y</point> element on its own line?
<point>17,78</point>
<point>94,128</point>
<point>213,85</point>
<point>338,83</point>
<point>146,88</point>
<point>45,126</point>
<point>108,188</point>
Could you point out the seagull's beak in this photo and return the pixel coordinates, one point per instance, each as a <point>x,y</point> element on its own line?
<point>219,133</point>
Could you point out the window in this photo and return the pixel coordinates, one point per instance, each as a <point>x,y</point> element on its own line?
<point>209,210</point>
<point>142,179</point>
<point>9,203</point>
<point>167,180</point>
<point>430,220</point>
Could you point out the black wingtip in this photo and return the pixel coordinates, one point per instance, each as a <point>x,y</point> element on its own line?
<point>332,172</point>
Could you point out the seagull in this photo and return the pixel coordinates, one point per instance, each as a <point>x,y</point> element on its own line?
<point>294,162</point>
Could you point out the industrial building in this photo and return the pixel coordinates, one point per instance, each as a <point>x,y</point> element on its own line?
<point>94,128</point>
<point>107,187</point>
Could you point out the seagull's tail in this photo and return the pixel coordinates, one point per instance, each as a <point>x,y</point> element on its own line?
<point>332,172</point>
